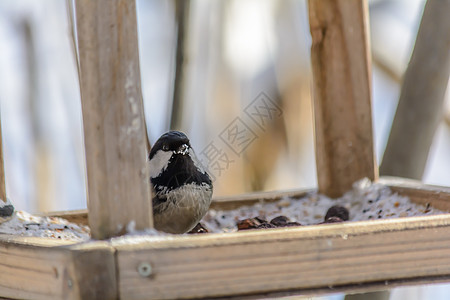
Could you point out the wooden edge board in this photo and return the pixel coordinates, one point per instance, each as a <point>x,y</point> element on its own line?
<point>276,260</point>
<point>33,241</point>
<point>310,232</point>
<point>418,192</point>
<point>79,216</point>
<point>44,268</point>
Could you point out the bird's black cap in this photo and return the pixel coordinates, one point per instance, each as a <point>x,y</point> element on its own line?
<point>170,141</point>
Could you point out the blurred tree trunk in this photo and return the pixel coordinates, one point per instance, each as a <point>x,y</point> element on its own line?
<point>182,19</point>
<point>42,160</point>
<point>420,106</point>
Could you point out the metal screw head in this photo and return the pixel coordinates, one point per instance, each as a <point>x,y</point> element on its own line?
<point>145,269</point>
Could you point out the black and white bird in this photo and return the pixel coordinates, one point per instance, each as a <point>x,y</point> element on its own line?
<point>183,188</point>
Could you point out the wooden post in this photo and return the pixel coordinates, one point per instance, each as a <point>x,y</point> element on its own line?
<point>340,59</point>
<point>118,182</point>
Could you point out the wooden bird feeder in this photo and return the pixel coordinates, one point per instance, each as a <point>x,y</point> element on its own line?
<point>344,257</point>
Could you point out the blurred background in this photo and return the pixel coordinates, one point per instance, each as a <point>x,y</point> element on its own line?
<point>234,54</point>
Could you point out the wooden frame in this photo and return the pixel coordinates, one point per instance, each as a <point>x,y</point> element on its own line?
<point>328,258</point>
<point>316,259</point>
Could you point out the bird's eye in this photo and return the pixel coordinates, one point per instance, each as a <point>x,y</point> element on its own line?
<point>165,148</point>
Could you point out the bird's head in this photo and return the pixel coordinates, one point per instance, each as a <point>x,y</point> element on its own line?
<point>172,142</point>
<point>172,159</point>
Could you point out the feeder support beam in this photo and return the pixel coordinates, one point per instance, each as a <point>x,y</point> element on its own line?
<point>340,57</point>
<point>119,192</point>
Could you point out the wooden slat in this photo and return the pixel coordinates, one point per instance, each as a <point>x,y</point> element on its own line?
<point>233,202</point>
<point>437,196</point>
<point>340,58</point>
<point>313,257</point>
<point>114,130</point>
<point>41,268</point>
<point>93,271</point>
<point>79,216</point>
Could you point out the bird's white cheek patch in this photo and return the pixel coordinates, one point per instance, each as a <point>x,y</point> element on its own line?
<point>159,162</point>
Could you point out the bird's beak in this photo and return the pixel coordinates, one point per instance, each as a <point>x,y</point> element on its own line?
<point>183,149</point>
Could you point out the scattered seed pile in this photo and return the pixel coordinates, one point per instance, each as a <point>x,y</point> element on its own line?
<point>25,224</point>
<point>366,201</point>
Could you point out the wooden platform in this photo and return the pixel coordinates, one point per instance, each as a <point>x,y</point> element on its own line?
<point>316,259</point>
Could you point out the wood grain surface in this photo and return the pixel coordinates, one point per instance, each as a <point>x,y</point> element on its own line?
<point>114,130</point>
<point>42,268</point>
<point>340,58</point>
<point>310,257</point>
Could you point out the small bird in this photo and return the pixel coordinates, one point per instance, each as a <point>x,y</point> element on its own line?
<point>183,188</point>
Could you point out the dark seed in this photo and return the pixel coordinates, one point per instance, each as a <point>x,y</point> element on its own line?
<point>337,211</point>
<point>251,223</point>
<point>289,224</point>
<point>280,221</point>
<point>6,211</point>
<point>266,225</point>
<point>261,220</point>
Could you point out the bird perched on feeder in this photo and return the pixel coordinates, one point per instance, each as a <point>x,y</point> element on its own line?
<point>183,188</point>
